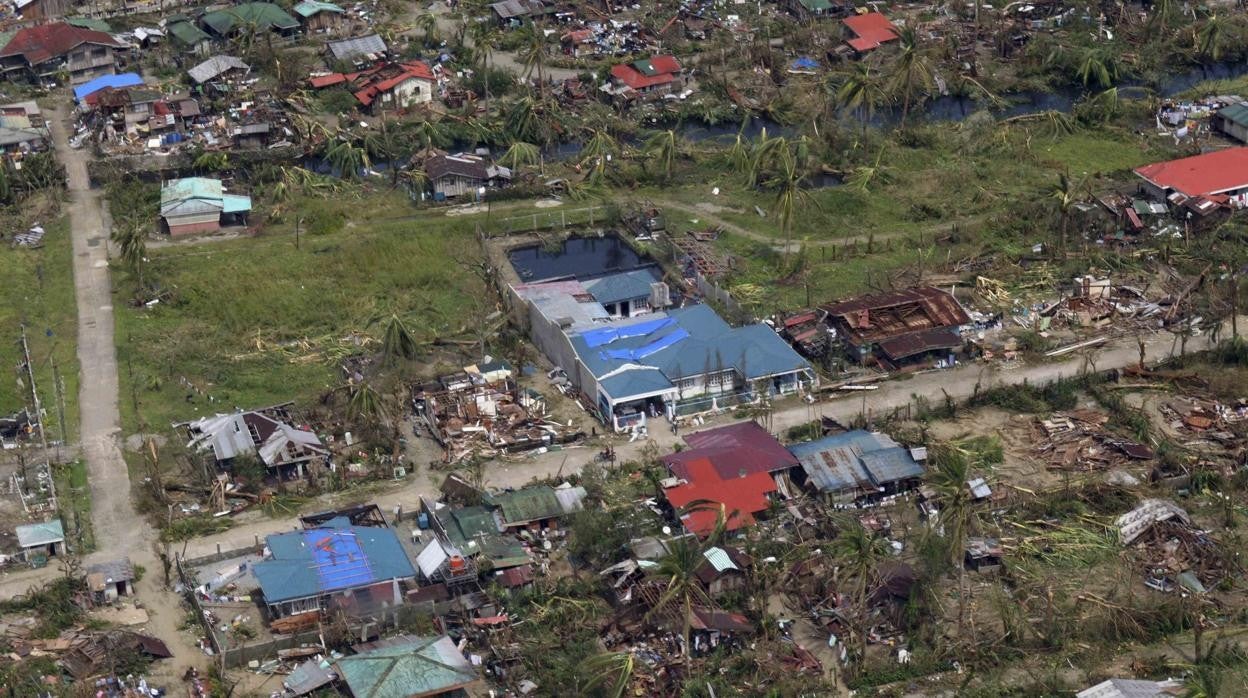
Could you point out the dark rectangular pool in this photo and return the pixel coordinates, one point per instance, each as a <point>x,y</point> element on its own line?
<point>582,258</point>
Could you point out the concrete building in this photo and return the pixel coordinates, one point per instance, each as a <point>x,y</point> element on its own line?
<point>199,205</point>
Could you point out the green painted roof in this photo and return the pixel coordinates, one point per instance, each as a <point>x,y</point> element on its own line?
<point>504,552</point>
<point>186,33</point>
<point>816,5</point>
<point>98,25</point>
<point>1236,113</point>
<point>407,666</point>
<point>471,522</point>
<point>307,8</point>
<point>529,504</point>
<point>265,15</point>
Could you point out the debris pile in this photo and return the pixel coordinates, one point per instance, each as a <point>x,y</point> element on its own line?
<point>1170,550</point>
<point>471,418</point>
<point>1206,418</point>
<point>1077,440</point>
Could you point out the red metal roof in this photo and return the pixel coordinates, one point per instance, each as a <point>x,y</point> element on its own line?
<point>742,497</point>
<point>47,41</point>
<point>328,80</point>
<point>871,30</point>
<point>1201,175</point>
<point>632,77</point>
<point>739,448</point>
<point>381,78</point>
<point>665,64</point>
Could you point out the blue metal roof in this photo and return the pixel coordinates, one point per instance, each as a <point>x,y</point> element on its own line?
<point>855,459</point>
<point>622,286</point>
<point>90,87</point>
<point>640,381</point>
<point>695,341</point>
<point>333,557</point>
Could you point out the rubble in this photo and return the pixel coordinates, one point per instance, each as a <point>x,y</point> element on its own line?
<point>1077,440</point>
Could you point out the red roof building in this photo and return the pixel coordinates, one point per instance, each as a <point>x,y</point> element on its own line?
<point>742,496</point>
<point>869,31</point>
<point>394,84</point>
<point>646,75</point>
<point>733,450</point>
<point>1199,176</point>
<point>35,49</point>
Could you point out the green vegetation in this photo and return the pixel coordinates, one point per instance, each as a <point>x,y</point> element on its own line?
<point>258,321</point>
<point>73,494</point>
<point>39,292</point>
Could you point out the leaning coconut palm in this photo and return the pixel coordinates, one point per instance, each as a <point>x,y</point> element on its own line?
<point>520,155</point>
<point>663,148</point>
<point>787,181</point>
<point>131,240</point>
<point>599,151</point>
<point>858,554</point>
<point>1098,67</point>
<point>1067,192</point>
<point>532,53</point>
<point>366,405</point>
<point>911,77</point>
<point>608,674</point>
<point>1211,38</point>
<point>682,589</point>
<point>349,159</point>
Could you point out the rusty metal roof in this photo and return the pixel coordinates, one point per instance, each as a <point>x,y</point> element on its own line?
<point>880,316</point>
<point>902,346</point>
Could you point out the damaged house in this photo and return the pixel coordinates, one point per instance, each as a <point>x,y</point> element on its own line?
<point>463,174</point>
<point>334,565</point>
<point>651,76</point>
<point>387,85</point>
<point>289,452</point>
<point>899,329</point>
<point>858,465</point>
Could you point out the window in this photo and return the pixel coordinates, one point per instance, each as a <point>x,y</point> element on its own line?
<point>99,52</point>
<point>686,383</point>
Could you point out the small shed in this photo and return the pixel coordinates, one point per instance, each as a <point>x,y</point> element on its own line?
<point>40,541</point>
<point>108,581</point>
<point>1232,121</point>
<point>317,16</point>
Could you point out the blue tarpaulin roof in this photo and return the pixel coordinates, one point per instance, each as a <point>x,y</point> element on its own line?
<point>333,557</point>
<point>86,89</point>
<point>805,63</point>
<point>688,342</point>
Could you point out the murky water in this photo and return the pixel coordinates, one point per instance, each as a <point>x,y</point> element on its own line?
<point>576,257</point>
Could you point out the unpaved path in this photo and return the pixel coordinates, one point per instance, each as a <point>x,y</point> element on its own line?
<point>959,383</point>
<point>706,212</point>
<point>119,530</point>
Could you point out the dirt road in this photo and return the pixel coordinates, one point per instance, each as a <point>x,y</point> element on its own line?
<point>119,530</point>
<point>959,383</point>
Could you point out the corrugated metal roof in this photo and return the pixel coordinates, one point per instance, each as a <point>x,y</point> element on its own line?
<point>308,8</point>
<point>346,49</point>
<point>46,533</point>
<point>890,465</point>
<point>264,15</point>
<point>1235,113</point>
<point>521,506</point>
<point>431,559</point>
<point>571,498</point>
<point>333,557</point>
<point>407,666</point>
<point>186,33</point>
<point>214,67</point>
<point>634,382</point>
<point>623,286</point>
<point>834,463</point>
<point>733,449</point>
<point>719,559</point>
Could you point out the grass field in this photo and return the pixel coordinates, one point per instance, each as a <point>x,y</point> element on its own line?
<point>38,291</point>
<point>256,321</point>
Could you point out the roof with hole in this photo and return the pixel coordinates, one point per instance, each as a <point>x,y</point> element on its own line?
<point>855,460</point>
<point>330,558</point>
<point>347,49</point>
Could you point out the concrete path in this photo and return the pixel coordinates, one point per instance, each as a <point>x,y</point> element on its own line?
<point>119,529</point>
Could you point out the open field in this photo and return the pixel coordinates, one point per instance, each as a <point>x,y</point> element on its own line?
<point>39,292</point>
<point>257,321</point>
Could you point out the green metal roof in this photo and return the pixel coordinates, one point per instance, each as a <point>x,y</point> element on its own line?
<point>1236,113</point>
<point>98,25</point>
<point>504,552</point>
<point>264,15</point>
<point>46,533</point>
<point>407,666</point>
<point>186,33</point>
<point>645,67</point>
<point>234,203</point>
<point>307,8</point>
<point>471,522</point>
<point>529,504</point>
<point>816,5</point>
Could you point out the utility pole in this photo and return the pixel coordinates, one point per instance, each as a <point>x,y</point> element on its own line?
<point>34,393</point>
<point>59,384</point>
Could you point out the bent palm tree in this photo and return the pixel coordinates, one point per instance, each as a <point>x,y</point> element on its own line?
<point>912,75</point>
<point>663,148</point>
<point>681,589</point>
<point>861,93</point>
<point>858,553</point>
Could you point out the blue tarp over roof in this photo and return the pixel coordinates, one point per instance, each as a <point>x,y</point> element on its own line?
<point>116,82</point>
<point>333,557</point>
<point>688,342</point>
